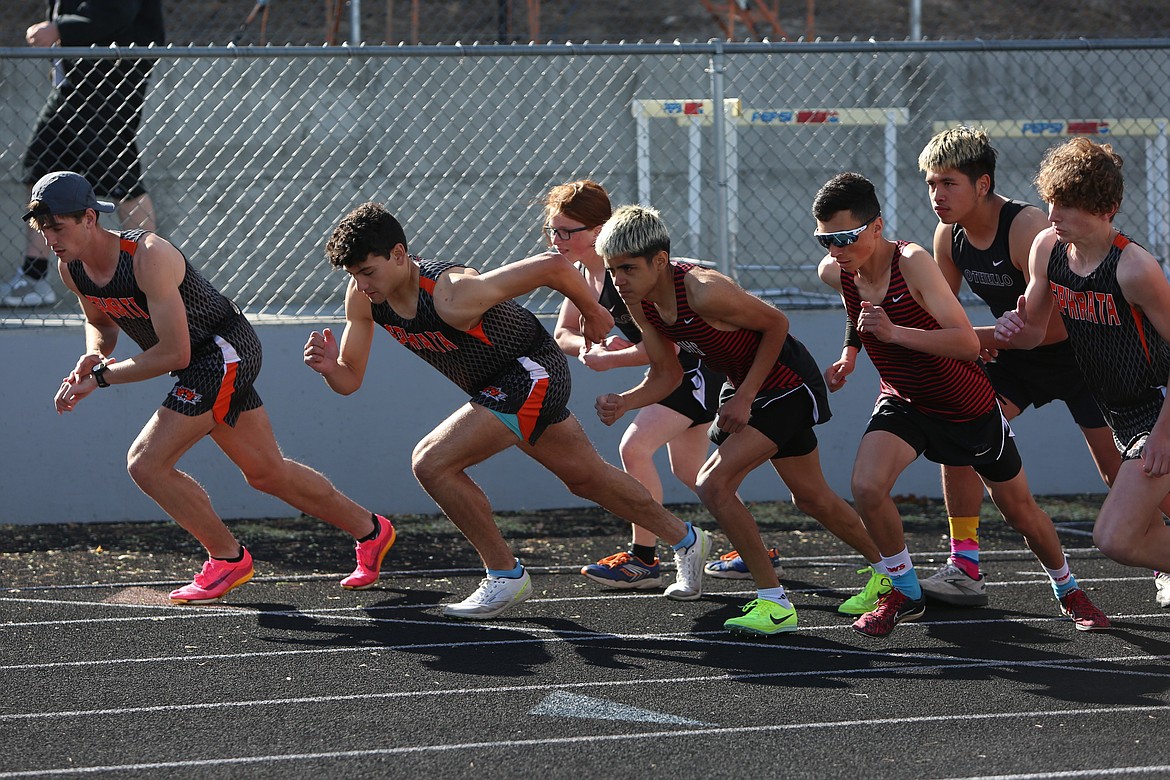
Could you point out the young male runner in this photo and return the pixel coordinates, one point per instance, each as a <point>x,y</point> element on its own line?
<point>1115,303</point>
<point>984,238</point>
<point>139,283</point>
<point>935,399</point>
<point>773,397</point>
<point>467,326</point>
<point>574,214</point>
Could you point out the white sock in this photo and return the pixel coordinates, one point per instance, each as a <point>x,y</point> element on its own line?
<point>775,595</point>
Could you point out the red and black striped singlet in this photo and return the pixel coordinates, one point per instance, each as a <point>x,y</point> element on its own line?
<point>731,352</point>
<point>948,388</point>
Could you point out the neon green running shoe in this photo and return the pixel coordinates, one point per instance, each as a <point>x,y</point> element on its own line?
<point>866,601</point>
<point>761,616</point>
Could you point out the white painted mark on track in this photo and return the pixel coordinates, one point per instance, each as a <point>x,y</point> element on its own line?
<point>573,705</point>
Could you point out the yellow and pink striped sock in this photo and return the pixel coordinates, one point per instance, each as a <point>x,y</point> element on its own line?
<point>965,544</point>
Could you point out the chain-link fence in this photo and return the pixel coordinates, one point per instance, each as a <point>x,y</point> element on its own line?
<point>314,22</point>
<point>251,155</point>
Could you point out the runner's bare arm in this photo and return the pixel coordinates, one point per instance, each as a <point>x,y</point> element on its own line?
<point>343,365</point>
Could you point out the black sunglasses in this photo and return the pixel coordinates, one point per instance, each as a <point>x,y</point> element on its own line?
<point>844,237</point>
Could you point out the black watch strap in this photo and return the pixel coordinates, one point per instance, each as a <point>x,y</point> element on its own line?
<point>99,375</point>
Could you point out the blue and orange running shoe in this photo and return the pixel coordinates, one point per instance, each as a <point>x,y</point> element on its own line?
<point>625,571</point>
<point>732,567</point>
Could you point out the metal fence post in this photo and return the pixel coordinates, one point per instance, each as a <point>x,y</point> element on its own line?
<point>722,237</point>
<point>1158,195</point>
<point>355,22</point>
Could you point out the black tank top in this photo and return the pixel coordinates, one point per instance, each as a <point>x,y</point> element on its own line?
<point>209,312</point>
<point>951,389</point>
<point>471,359</point>
<point>990,272</point>
<point>614,304</point>
<point>1124,359</point>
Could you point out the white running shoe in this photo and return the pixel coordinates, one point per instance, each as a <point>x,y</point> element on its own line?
<point>951,585</point>
<point>1162,583</point>
<point>492,597</point>
<point>688,581</point>
<point>24,291</point>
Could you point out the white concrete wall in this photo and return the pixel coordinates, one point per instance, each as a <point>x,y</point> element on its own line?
<point>72,467</point>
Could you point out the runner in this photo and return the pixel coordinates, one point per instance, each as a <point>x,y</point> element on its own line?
<point>935,399</point>
<point>1114,299</point>
<point>467,326</point>
<point>139,283</point>
<point>773,397</point>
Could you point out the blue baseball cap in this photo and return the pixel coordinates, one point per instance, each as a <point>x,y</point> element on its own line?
<point>63,192</point>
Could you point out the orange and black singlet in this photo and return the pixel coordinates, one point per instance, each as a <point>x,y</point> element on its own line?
<point>1125,361</point>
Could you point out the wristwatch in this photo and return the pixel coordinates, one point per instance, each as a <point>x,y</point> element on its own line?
<point>99,375</point>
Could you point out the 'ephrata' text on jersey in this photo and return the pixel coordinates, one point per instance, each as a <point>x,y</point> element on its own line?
<point>1088,306</point>
<point>119,308</point>
<point>432,341</point>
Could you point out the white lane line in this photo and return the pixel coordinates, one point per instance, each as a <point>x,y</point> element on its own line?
<point>841,559</point>
<point>1077,665</point>
<point>719,731</point>
<point>269,578</point>
<point>558,635</point>
<point>339,614</point>
<point>228,610</point>
<point>1117,771</point>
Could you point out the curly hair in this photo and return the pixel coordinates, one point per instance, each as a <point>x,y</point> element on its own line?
<point>368,229</point>
<point>1083,175</point>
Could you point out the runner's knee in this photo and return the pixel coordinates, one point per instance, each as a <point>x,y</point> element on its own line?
<point>268,478</point>
<point>714,489</point>
<point>867,493</point>
<point>635,449</point>
<point>144,470</point>
<point>815,505</point>
<point>1115,540</point>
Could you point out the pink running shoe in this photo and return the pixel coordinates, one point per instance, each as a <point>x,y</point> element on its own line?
<point>214,581</point>
<point>892,608</point>
<point>1084,613</point>
<point>369,557</point>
